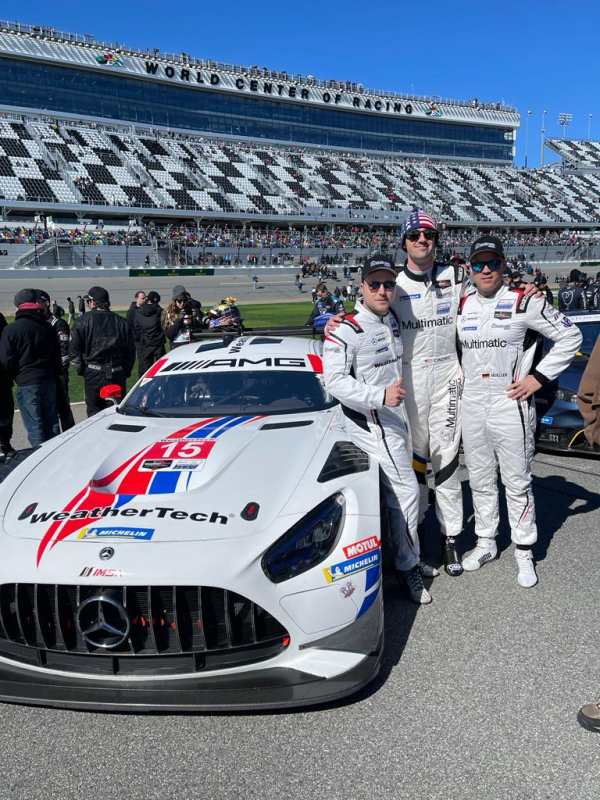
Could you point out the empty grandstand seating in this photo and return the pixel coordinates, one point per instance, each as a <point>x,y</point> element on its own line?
<point>76,163</point>
<point>577,153</point>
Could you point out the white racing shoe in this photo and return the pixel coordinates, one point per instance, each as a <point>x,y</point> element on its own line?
<point>526,575</point>
<point>484,551</point>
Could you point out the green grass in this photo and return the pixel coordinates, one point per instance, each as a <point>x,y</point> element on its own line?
<point>263,315</point>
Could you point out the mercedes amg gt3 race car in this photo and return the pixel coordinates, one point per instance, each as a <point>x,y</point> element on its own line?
<point>213,542</point>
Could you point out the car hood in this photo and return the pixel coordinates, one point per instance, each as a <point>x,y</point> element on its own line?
<point>154,479</point>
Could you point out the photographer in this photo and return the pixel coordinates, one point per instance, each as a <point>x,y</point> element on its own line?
<point>182,318</point>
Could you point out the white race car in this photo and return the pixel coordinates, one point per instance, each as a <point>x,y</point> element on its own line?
<point>211,543</point>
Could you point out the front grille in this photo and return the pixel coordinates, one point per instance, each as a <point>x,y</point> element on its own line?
<point>173,629</point>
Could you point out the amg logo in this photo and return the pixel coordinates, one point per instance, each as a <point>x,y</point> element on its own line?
<point>162,512</point>
<point>479,344</point>
<point>179,366</point>
<point>417,324</point>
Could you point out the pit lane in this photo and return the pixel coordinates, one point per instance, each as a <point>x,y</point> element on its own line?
<point>477,697</point>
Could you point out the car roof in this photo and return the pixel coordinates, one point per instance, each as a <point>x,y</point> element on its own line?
<point>247,352</point>
<point>580,317</point>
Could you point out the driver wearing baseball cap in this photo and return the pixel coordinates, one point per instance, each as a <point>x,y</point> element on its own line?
<point>362,362</point>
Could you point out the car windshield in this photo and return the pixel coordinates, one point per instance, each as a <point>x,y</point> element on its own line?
<point>201,394</point>
<point>590,331</point>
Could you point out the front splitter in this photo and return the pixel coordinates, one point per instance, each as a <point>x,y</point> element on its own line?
<point>256,690</point>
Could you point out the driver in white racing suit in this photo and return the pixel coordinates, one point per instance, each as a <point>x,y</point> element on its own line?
<point>362,361</point>
<point>498,330</point>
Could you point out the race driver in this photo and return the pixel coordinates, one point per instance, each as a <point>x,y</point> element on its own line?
<point>362,361</point>
<point>497,331</point>
<point>426,305</point>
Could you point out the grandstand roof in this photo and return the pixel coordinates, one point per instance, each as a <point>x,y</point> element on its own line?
<point>47,43</point>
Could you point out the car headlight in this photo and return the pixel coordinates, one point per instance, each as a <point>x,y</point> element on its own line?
<point>307,542</point>
<point>566,395</point>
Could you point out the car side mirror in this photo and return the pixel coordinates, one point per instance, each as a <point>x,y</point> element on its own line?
<point>112,392</point>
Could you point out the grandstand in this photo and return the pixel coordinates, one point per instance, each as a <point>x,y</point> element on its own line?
<point>147,136</point>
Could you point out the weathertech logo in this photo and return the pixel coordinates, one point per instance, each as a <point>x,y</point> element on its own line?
<point>480,344</point>
<point>162,512</point>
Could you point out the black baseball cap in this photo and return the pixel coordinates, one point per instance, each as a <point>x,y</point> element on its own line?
<point>99,294</point>
<point>486,244</point>
<point>376,262</point>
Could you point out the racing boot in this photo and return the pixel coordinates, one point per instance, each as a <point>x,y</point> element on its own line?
<point>427,571</point>
<point>7,451</point>
<point>589,717</point>
<point>452,563</point>
<point>526,575</point>
<point>413,581</point>
<point>485,550</point>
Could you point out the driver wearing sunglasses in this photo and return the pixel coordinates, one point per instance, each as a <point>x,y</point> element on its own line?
<point>496,330</point>
<point>362,362</point>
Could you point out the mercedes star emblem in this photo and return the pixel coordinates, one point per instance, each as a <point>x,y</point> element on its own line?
<point>103,622</point>
<point>106,553</point>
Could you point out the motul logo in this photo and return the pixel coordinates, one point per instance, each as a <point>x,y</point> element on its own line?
<point>362,547</point>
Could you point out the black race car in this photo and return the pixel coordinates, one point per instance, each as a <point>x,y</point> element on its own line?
<point>560,425</point>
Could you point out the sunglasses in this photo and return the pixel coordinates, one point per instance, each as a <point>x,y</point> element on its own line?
<point>494,264</point>
<point>416,235</point>
<point>374,285</point>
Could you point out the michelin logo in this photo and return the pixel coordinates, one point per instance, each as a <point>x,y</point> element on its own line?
<point>134,534</point>
<point>338,571</point>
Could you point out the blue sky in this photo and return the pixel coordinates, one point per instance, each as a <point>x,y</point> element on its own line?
<point>533,55</point>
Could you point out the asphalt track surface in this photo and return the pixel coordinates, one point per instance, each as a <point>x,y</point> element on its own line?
<point>273,286</point>
<point>477,697</point>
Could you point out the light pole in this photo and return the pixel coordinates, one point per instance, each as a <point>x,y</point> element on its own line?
<point>564,120</point>
<point>589,127</point>
<point>527,136</point>
<point>542,134</point>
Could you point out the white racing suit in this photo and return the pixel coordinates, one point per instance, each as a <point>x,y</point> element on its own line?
<point>498,338</point>
<point>361,358</point>
<point>427,306</point>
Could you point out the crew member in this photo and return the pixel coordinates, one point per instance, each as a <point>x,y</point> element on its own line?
<point>30,357</point>
<point>63,335</point>
<point>102,349</point>
<point>363,370</point>
<point>495,326</point>
<point>325,303</point>
<point>148,333</point>
<point>572,297</point>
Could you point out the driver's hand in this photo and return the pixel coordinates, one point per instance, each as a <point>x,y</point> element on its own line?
<point>394,394</point>
<point>531,289</point>
<point>333,322</point>
<point>521,390</point>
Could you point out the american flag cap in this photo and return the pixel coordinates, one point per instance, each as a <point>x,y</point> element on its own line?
<point>418,219</point>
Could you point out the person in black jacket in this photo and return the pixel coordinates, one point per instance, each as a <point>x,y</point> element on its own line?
<point>63,336</point>
<point>148,333</point>
<point>30,356</point>
<point>7,407</point>
<point>102,349</point>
